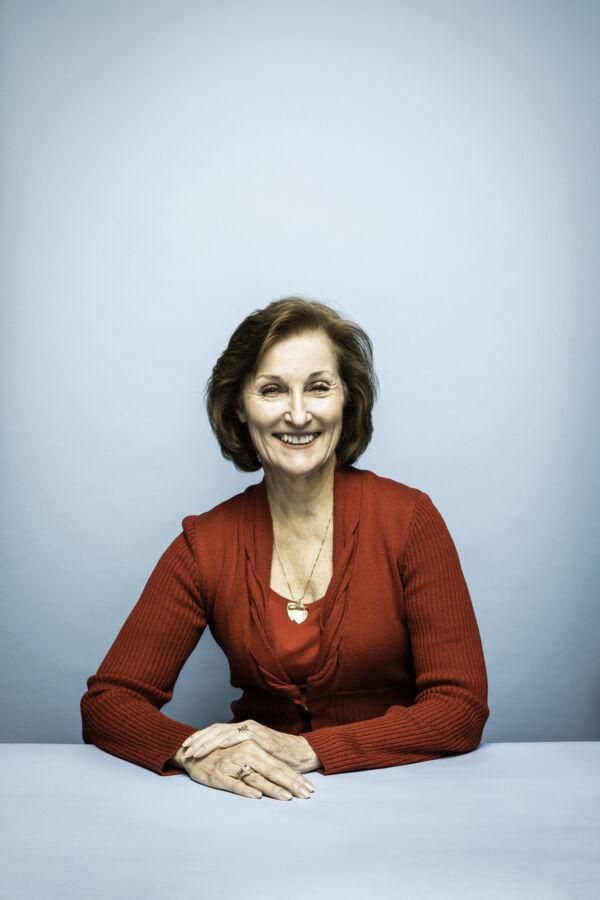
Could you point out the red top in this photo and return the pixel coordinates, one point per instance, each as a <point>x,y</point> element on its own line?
<point>296,644</point>
<point>396,676</point>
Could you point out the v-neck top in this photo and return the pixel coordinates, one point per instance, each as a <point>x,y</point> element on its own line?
<point>296,645</point>
<point>257,534</point>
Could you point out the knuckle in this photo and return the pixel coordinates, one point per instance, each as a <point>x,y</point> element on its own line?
<point>255,779</point>
<point>249,748</point>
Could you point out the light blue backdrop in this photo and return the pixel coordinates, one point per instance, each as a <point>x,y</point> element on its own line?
<point>430,169</point>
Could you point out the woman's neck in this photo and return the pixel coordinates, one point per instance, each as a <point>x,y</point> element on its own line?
<point>301,498</point>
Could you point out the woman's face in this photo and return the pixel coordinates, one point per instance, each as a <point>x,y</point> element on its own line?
<point>295,390</point>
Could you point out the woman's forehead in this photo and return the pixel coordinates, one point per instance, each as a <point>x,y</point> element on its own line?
<point>300,352</point>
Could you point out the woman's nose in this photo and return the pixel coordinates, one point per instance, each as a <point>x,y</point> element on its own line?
<point>298,412</point>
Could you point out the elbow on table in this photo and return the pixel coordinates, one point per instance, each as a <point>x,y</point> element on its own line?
<point>468,735</point>
<point>84,707</point>
<point>88,706</point>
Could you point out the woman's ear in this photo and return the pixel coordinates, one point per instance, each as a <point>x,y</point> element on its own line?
<point>240,412</point>
<point>239,406</point>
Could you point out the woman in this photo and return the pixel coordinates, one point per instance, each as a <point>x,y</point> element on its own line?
<point>336,594</point>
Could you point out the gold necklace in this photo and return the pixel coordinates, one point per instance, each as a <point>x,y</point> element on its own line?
<point>296,609</point>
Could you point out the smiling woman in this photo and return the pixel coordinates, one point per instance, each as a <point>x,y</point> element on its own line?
<point>293,406</point>
<point>336,594</point>
<point>264,359</point>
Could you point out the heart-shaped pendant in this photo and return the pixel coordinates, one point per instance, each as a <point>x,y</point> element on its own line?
<point>297,613</point>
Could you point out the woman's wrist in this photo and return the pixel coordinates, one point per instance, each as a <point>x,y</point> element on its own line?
<point>178,760</point>
<point>312,759</point>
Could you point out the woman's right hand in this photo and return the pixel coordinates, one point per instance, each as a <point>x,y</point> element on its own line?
<point>271,776</point>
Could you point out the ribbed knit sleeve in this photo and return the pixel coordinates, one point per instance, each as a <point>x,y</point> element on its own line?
<point>450,709</point>
<point>121,709</point>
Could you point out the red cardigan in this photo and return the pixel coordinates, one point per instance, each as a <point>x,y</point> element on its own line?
<point>399,677</point>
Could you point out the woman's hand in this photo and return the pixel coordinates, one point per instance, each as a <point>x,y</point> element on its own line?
<point>292,749</point>
<point>270,775</point>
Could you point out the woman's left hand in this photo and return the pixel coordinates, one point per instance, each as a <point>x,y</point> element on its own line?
<point>292,749</point>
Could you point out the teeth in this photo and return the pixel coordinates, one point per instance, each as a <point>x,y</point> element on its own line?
<point>297,438</point>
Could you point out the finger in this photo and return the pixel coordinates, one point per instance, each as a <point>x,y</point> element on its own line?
<point>278,773</point>
<point>266,755</point>
<point>223,779</point>
<point>269,756</point>
<point>227,736</point>
<point>200,734</point>
<point>192,737</point>
<point>194,752</point>
<point>197,751</point>
<point>236,736</point>
<point>200,747</point>
<point>269,752</point>
<point>206,732</point>
<point>224,738</point>
<point>269,788</point>
<point>237,786</point>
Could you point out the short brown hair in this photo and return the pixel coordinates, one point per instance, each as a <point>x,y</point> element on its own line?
<point>256,334</point>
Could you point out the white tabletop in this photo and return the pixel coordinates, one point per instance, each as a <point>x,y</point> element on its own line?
<point>507,821</point>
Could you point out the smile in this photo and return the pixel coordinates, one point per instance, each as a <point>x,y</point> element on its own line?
<point>298,439</point>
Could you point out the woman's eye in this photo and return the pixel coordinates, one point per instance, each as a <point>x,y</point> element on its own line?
<point>272,389</point>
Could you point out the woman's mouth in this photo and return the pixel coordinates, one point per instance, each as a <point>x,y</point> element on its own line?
<point>298,441</point>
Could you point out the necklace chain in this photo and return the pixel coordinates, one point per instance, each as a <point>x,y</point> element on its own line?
<point>299,600</point>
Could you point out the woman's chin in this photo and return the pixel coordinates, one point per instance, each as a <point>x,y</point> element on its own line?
<point>301,464</point>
